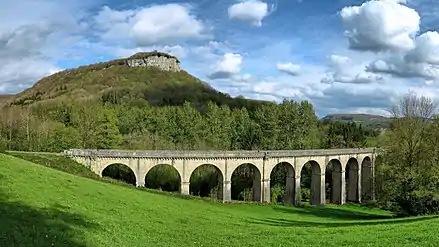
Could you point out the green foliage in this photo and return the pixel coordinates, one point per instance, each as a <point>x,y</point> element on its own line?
<point>374,122</point>
<point>3,144</point>
<point>305,194</point>
<point>407,174</point>
<point>277,193</point>
<point>163,177</point>
<point>204,181</point>
<point>347,135</point>
<point>120,172</point>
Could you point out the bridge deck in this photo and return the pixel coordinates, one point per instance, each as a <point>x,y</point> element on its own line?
<point>214,154</point>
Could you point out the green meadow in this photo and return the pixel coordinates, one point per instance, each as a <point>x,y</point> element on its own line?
<point>43,206</point>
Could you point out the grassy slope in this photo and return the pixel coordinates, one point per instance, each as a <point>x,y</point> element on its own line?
<point>40,206</point>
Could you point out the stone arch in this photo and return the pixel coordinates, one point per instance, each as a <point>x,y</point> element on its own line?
<point>316,182</point>
<point>163,177</point>
<point>205,180</point>
<point>334,177</point>
<point>352,180</point>
<point>243,176</point>
<point>283,173</point>
<point>119,171</point>
<point>366,179</point>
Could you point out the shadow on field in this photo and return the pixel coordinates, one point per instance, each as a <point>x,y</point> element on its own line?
<point>296,223</point>
<point>335,213</point>
<point>22,225</point>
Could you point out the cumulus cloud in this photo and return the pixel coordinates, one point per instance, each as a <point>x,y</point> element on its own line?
<point>228,66</point>
<point>157,24</point>
<point>288,68</point>
<point>20,74</point>
<point>384,25</point>
<point>345,70</point>
<point>32,35</point>
<point>420,62</point>
<point>252,11</point>
<point>400,67</point>
<point>426,49</point>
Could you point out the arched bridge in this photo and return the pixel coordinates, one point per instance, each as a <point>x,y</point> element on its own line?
<point>353,185</point>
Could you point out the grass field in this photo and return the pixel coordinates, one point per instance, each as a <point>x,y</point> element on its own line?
<point>40,206</point>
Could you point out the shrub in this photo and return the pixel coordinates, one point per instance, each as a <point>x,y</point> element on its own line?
<point>305,194</point>
<point>277,193</point>
<point>417,203</point>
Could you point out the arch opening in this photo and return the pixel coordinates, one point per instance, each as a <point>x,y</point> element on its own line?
<point>311,183</point>
<point>163,177</point>
<point>246,183</point>
<point>366,179</point>
<point>120,172</point>
<point>351,177</point>
<point>333,182</point>
<point>283,184</point>
<point>207,181</point>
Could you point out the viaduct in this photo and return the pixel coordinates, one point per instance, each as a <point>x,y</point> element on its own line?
<point>352,169</point>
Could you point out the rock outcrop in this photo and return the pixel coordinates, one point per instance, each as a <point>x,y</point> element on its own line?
<point>160,60</point>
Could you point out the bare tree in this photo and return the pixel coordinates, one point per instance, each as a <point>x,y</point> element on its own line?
<point>414,106</point>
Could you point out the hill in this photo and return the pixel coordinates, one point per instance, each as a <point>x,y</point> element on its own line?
<point>4,98</point>
<point>127,80</point>
<point>374,121</point>
<point>40,206</point>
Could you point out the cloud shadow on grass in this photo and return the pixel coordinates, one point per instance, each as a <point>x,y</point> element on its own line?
<point>23,225</point>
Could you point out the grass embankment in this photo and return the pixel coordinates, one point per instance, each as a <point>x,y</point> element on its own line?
<point>40,206</point>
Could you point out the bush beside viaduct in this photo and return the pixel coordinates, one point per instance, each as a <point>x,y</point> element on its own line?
<point>357,186</point>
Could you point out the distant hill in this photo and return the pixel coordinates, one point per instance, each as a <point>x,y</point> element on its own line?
<point>374,121</point>
<point>127,80</point>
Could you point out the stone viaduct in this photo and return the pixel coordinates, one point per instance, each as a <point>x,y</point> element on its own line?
<point>352,169</point>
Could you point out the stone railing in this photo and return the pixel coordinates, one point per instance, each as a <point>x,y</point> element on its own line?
<point>213,154</point>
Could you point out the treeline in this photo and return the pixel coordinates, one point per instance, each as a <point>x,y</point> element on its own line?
<point>289,125</point>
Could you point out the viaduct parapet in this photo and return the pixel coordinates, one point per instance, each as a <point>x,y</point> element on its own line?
<point>352,169</point>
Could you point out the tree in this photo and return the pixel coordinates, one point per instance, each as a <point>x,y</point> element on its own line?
<point>408,175</point>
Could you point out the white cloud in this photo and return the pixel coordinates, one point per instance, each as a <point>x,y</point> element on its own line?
<point>157,24</point>
<point>252,11</point>
<point>228,66</point>
<point>380,26</point>
<point>400,67</point>
<point>22,74</point>
<point>32,35</point>
<point>426,49</point>
<point>288,68</point>
<point>345,70</point>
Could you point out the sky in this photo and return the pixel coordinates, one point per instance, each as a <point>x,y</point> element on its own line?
<point>344,56</point>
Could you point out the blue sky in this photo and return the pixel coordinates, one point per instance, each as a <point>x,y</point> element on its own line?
<point>344,56</point>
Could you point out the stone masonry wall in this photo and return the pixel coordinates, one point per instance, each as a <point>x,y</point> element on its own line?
<point>161,62</point>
